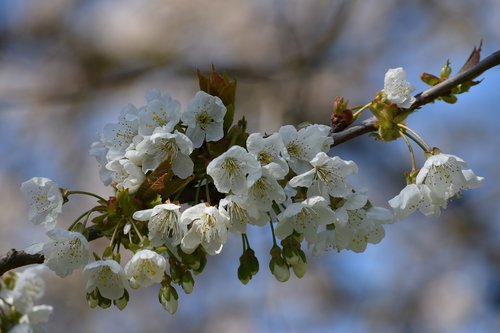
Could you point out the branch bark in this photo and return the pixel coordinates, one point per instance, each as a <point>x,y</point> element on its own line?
<point>14,259</point>
<point>425,97</point>
<point>18,258</point>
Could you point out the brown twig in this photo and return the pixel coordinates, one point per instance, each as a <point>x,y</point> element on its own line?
<point>15,258</point>
<point>425,97</point>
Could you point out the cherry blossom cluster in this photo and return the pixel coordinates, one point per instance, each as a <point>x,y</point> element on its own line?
<point>184,180</point>
<point>18,295</point>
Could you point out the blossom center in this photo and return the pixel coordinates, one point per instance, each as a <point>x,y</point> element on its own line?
<point>203,119</point>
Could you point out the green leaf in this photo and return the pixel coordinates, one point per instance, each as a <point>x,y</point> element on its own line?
<point>155,181</point>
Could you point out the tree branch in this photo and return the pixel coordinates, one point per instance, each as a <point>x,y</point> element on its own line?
<point>15,258</point>
<point>425,97</point>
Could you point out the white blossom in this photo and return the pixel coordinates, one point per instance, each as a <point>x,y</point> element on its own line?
<point>204,118</point>
<point>162,146</point>
<point>303,145</point>
<point>163,223</point>
<point>145,268</point>
<point>442,177</point>
<point>446,175</point>
<point>45,201</point>
<point>363,227</point>
<point>265,189</point>
<point>240,212</point>
<point>397,89</point>
<point>117,137</point>
<point>304,217</point>
<point>66,252</point>
<point>108,277</point>
<point>353,201</point>
<point>268,150</point>
<point>327,177</point>
<point>230,170</point>
<point>29,288</point>
<point>99,151</point>
<point>126,175</point>
<point>413,197</point>
<point>208,229</point>
<point>160,111</point>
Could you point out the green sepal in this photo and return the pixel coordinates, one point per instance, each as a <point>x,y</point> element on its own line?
<point>122,302</point>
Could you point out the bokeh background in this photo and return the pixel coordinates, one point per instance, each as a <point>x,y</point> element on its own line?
<point>67,68</point>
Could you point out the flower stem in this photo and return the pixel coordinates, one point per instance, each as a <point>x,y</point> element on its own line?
<point>243,242</point>
<point>114,235</point>
<point>414,139</point>
<point>197,194</point>
<point>207,191</point>
<point>410,148</point>
<point>272,231</point>
<point>246,239</point>
<point>86,193</point>
<point>136,230</point>
<point>360,111</point>
<point>87,213</point>
<point>406,128</point>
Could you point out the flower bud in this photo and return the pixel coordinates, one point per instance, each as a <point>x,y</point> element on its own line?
<point>446,70</point>
<point>243,273</point>
<point>187,282</point>
<point>300,268</point>
<point>280,269</point>
<point>168,297</point>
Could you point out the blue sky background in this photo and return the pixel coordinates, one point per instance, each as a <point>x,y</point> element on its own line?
<point>67,68</point>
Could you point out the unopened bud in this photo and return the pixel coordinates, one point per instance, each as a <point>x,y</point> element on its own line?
<point>300,268</point>
<point>280,269</point>
<point>446,70</point>
<point>187,282</point>
<point>168,298</point>
<point>243,274</point>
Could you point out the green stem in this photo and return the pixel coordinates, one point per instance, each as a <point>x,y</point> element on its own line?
<point>86,193</point>
<point>88,212</point>
<point>272,231</point>
<point>243,242</point>
<point>197,194</point>
<point>207,191</point>
<point>360,111</point>
<point>410,148</point>
<point>414,139</point>
<point>114,235</point>
<point>137,230</point>
<point>406,128</point>
<point>246,239</point>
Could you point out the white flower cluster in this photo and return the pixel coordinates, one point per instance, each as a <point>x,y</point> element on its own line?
<point>145,137</point>
<point>441,178</point>
<point>256,192</point>
<point>18,294</point>
<point>285,179</point>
